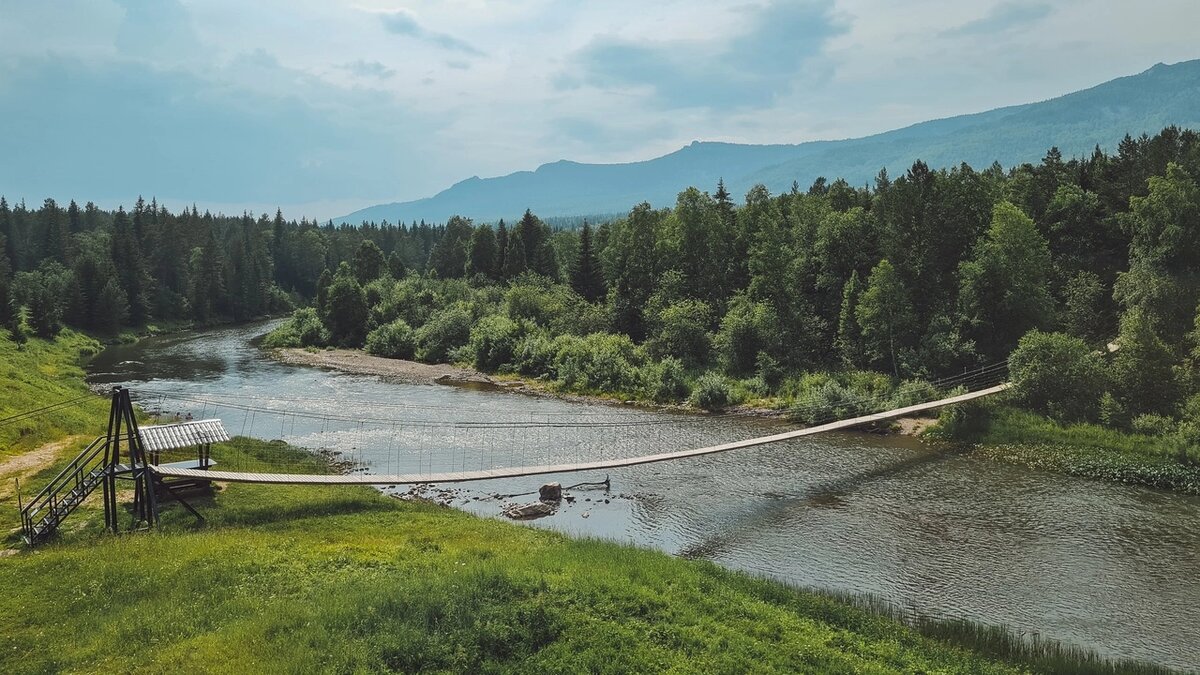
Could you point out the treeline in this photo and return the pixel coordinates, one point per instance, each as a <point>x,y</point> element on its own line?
<point>100,270</point>
<point>920,275</point>
<point>917,276</point>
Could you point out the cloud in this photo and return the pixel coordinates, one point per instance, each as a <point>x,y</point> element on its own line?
<point>753,68</point>
<point>1003,17</point>
<point>403,23</point>
<point>361,68</point>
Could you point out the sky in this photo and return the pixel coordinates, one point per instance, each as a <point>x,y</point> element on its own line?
<point>322,107</point>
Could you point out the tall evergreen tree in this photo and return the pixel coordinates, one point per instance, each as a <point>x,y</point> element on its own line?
<point>448,259</point>
<point>396,267</point>
<point>587,278</point>
<point>131,268</point>
<point>501,247</point>
<point>514,258</point>
<point>481,257</point>
<point>369,262</point>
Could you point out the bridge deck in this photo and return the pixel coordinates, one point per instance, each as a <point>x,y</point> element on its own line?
<point>513,472</point>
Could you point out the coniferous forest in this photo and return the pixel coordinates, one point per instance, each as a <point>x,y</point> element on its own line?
<point>831,289</point>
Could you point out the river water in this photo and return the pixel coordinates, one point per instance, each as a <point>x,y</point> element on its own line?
<point>1108,567</point>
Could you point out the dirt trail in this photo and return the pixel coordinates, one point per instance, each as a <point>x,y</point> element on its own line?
<point>26,464</point>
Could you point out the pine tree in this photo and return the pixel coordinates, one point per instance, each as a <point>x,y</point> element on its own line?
<point>131,268</point>
<point>368,262</point>
<point>481,258</point>
<point>587,278</point>
<point>396,266</point>
<point>501,247</point>
<point>514,258</point>
<point>849,336</point>
<point>448,259</point>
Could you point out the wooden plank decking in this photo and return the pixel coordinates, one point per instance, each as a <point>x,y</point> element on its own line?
<point>514,472</point>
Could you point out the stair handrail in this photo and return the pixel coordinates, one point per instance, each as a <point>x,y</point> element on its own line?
<point>75,469</point>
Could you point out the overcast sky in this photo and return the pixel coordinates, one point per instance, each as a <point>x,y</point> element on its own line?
<point>323,106</point>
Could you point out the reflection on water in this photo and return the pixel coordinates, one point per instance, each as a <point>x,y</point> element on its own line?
<point>1108,567</point>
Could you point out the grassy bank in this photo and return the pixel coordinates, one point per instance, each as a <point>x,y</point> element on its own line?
<point>303,579</point>
<point>42,373</point>
<point>1087,450</point>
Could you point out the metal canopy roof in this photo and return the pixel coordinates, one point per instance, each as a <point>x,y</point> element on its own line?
<point>183,435</point>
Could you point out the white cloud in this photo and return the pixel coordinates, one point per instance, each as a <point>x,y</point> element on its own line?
<point>465,87</point>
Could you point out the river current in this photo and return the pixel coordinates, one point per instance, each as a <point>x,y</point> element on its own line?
<point>1107,567</point>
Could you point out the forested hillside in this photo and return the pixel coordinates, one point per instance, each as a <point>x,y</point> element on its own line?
<point>1077,122</point>
<point>834,290</point>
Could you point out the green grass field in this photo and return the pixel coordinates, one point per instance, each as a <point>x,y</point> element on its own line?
<point>345,579</point>
<point>41,373</point>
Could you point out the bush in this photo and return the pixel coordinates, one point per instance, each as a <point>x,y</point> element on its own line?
<point>597,362</point>
<point>747,329</point>
<point>769,373</point>
<point>494,341</point>
<point>395,340</point>
<point>534,355</point>
<point>1151,424</point>
<point>667,381</point>
<point>828,402</point>
<point>446,330</point>
<point>1057,375</point>
<point>912,392</point>
<point>711,392</point>
<point>681,331</point>
<point>304,329</point>
<point>964,421</point>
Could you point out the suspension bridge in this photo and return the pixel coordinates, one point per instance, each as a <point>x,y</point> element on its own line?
<point>325,442</point>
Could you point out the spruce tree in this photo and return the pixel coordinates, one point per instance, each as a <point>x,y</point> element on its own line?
<point>481,258</point>
<point>501,247</point>
<point>396,266</point>
<point>368,262</point>
<point>514,258</point>
<point>849,336</point>
<point>587,278</point>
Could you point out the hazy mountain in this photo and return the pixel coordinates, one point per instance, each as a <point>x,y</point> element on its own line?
<point>1076,123</point>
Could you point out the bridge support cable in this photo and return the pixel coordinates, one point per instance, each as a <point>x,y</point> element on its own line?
<point>519,471</point>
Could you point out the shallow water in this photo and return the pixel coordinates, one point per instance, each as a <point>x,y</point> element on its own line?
<point>1108,567</point>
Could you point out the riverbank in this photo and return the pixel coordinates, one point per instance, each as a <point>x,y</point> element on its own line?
<point>1019,437</point>
<point>304,578</point>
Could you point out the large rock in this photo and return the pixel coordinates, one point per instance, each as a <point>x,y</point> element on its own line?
<point>550,492</point>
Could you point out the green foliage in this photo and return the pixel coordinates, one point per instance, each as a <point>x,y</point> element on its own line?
<point>711,391</point>
<point>587,279</point>
<point>481,255</point>
<point>303,329</point>
<point>395,340</point>
<point>1057,375</point>
<point>681,330</point>
<point>746,330</point>
<point>1143,372</point>
<point>346,313</point>
<point>446,330</point>
<point>494,341</point>
<point>667,381</point>
<point>369,262</point>
<point>448,259</point>
<point>885,316</point>
<point>1006,286</point>
<point>599,362</point>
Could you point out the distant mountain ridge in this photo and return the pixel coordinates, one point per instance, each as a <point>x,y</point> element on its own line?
<point>1075,123</point>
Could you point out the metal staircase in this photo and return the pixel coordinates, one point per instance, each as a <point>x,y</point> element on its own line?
<point>98,466</point>
<point>42,515</point>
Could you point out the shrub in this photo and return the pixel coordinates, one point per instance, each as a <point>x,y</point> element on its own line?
<point>747,329</point>
<point>769,372</point>
<point>711,391</point>
<point>534,355</point>
<point>303,329</point>
<point>494,341</point>
<point>394,340</point>
<point>964,421</point>
<point>1056,374</point>
<point>1112,412</point>
<point>829,401</point>
<point>597,362</point>
<point>1151,424</point>
<point>681,331</point>
<point>667,381</point>
<point>912,392</point>
<point>446,330</point>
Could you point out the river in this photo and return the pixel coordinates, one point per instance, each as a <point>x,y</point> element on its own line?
<point>1108,567</point>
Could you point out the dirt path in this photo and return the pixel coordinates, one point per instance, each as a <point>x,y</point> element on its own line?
<point>351,361</point>
<point>26,464</point>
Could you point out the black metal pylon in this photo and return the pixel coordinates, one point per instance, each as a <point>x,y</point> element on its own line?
<point>122,426</point>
